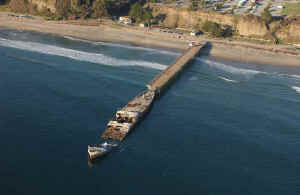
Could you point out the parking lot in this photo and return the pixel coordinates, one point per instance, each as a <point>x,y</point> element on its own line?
<point>241,6</point>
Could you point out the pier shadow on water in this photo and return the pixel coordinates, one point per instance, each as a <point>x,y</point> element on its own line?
<point>205,50</point>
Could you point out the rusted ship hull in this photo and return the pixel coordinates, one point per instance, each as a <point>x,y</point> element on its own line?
<point>129,116</point>
<point>112,133</point>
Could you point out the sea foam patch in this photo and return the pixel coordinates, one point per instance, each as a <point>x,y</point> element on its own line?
<point>77,55</point>
<point>295,76</point>
<point>126,46</point>
<point>297,89</point>
<point>227,80</point>
<point>228,68</point>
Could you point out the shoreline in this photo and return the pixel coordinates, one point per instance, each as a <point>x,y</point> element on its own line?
<point>235,51</point>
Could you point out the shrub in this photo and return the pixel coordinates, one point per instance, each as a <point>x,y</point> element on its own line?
<point>266,15</point>
<point>213,28</point>
<point>100,8</point>
<point>139,13</point>
<point>136,11</point>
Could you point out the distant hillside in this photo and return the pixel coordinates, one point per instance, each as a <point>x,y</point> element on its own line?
<point>71,8</point>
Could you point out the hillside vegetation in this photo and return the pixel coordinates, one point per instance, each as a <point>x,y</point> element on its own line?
<point>70,9</point>
<point>248,26</point>
<point>291,9</point>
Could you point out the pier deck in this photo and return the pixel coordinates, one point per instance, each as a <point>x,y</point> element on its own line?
<point>161,81</point>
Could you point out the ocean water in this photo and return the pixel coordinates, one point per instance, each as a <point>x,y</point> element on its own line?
<point>223,128</point>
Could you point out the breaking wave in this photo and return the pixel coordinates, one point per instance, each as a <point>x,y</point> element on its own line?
<point>194,78</point>
<point>126,46</point>
<point>228,80</point>
<point>297,89</point>
<point>230,69</point>
<point>77,55</point>
<point>295,76</point>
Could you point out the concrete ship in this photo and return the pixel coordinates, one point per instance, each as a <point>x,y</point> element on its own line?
<point>126,118</point>
<point>100,150</point>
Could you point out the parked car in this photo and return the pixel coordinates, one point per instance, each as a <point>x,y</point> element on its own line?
<point>195,33</point>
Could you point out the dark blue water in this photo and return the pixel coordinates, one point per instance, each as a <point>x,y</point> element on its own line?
<point>223,128</point>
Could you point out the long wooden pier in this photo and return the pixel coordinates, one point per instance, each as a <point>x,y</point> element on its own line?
<point>162,81</point>
<point>127,118</point>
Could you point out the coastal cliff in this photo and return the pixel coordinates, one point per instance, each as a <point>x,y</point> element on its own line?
<point>289,30</point>
<point>286,29</point>
<point>244,25</point>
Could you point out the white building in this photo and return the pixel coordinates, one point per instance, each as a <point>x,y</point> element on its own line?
<point>125,20</point>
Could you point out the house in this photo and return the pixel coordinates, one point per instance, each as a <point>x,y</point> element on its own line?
<point>242,3</point>
<point>125,20</point>
<point>195,33</point>
<point>143,25</point>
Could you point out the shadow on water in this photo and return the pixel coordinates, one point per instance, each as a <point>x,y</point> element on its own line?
<point>98,161</point>
<point>95,163</point>
<point>205,50</point>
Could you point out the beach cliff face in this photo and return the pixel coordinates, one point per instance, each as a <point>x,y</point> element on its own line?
<point>42,4</point>
<point>289,30</point>
<point>246,26</point>
<point>249,26</point>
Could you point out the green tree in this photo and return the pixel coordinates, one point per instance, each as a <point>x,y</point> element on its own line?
<point>266,15</point>
<point>100,8</point>
<point>219,6</point>
<point>213,28</point>
<point>140,14</point>
<point>136,11</point>
<point>147,16</point>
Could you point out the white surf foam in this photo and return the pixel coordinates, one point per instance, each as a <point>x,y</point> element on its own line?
<point>228,80</point>
<point>228,68</point>
<point>77,55</point>
<point>193,78</point>
<point>295,76</point>
<point>125,46</point>
<point>297,89</point>
<point>289,76</point>
<point>76,39</point>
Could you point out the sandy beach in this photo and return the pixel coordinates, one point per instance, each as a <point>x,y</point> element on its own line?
<point>98,31</point>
